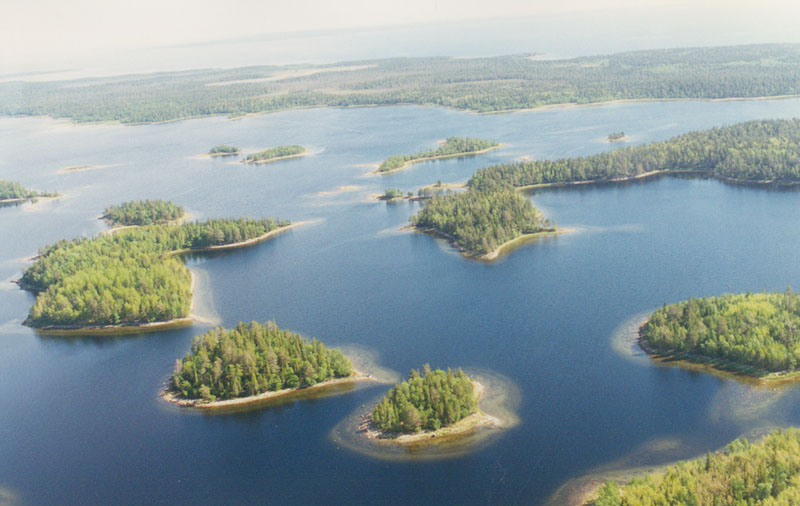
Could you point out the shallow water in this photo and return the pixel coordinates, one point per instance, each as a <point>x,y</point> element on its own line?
<point>84,412</point>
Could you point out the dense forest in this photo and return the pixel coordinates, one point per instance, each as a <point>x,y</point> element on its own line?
<point>223,149</point>
<point>426,401</point>
<point>273,153</point>
<point>759,330</point>
<point>453,146</point>
<point>754,151</point>
<point>251,359</point>
<point>478,221</point>
<point>766,473</point>
<point>477,84</point>
<point>143,212</point>
<point>130,277</point>
<point>10,190</point>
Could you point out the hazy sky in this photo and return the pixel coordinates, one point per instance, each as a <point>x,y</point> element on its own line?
<point>56,31</point>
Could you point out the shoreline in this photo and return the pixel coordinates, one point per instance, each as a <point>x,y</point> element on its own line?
<point>118,228</point>
<point>437,157</point>
<point>169,396</point>
<point>30,199</point>
<point>220,247</point>
<point>495,253</point>
<point>275,159</point>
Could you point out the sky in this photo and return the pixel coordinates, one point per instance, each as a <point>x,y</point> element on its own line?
<point>60,32</point>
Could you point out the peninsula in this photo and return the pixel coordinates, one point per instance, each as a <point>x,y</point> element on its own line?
<point>275,154</point>
<point>252,362</point>
<point>224,150</point>
<point>428,405</point>
<point>15,192</point>
<point>143,212</point>
<point>452,147</point>
<point>755,334</point>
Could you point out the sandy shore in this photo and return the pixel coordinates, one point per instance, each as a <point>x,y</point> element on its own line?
<point>169,396</point>
<point>241,244</point>
<point>643,175</point>
<point>81,168</point>
<point>438,157</point>
<point>341,189</point>
<point>509,245</point>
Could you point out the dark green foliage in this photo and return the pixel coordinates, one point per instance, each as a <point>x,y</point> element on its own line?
<point>223,149</point>
<point>759,330</point>
<point>10,190</point>
<point>615,136</point>
<point>251,359</point>
<point>130,277</point>
<point>757,151</point>
<point>272,153</point>
<point>452,146</point>
<point>479,84</point>
<point>143,212</point>
<point>766,473</point>
<point>428,401</point>
<point>479,222</point>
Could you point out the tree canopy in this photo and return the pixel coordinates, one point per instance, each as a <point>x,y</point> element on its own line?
<point>9,190</point>
<point>143,212</point>
<point>453,146</point>
<point>223,149</point>
<point>274,153</point>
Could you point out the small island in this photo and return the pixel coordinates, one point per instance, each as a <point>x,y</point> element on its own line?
<point>143,212</point>
<point>761,473</point>
<point>224,150</point>
<point>452,147</point>
<point>253,362</point>
<point>616,137</point>
<point>482,224</point>
<point>275,154</point>
<point>429,404</point>
<point>15,192</point>
<point>754,334</point>
<point>394,194</point>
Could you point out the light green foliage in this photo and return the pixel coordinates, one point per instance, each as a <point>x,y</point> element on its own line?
<point>251,359</point>
<point>126,278</point>
<point>392,193</point>
<point>766,473</point>
<point>478,84</point>
<point>427,401</point>
<point>767,150</point>
<point>760,330</point>
<point>276,152</point>
<point>452,146</point>
<point>481,221</point>
<point>143,212</point>
<point>11,190</point>
<point>223,149</point>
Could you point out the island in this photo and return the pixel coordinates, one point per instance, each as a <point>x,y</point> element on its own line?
<point>482,224</point>
<point>275,154</point>
<point>224,150</point>
<point>616,137</point>
<point>143,212</point>
<point>252,362</point>
<point>755,334</point>
<point>452,147</point>
<point>765,473</point>
<point>11,191</point>
<point>134,279</point>
<point>429,404</point>
<point>756,152</point>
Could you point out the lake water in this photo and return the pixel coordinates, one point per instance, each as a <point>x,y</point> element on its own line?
<point>80,420</point>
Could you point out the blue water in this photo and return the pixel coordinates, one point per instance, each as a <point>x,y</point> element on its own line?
<point>80,421</point>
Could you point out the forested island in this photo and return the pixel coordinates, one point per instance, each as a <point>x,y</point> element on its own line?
<point>765,151</point>
<point>766,473</point>
<point>275,154</point>
<point>492,84</point>
<point>11,191</point>
<point>615,137</point>
<point>224,150</point>
<point>143,212</point>
<point>252,362</point>
<point>480,223</point>
<point>754,333</point>
<point>132,278</point>
<point>452,147</point>
<point>430,401</point>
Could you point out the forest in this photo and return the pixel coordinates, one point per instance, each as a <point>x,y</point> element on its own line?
<point>477,84</point>
<point>765,473</point>
<point>453,146</point>
<point>223,149</point>
<point>9,190</point>
<point>757,330</point>
<point>754,151</point>
<point>143,212</point>
<point>426,401</point>
<point>129,278</point>
<point>273,153</point>
<point>251,359</point>
<point>479,222</point>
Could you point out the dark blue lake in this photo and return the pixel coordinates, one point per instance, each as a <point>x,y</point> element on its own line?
<point>80,420</point>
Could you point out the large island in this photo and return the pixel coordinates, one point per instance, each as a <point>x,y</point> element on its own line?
<point>253,362</point>
<point>451,148</point>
